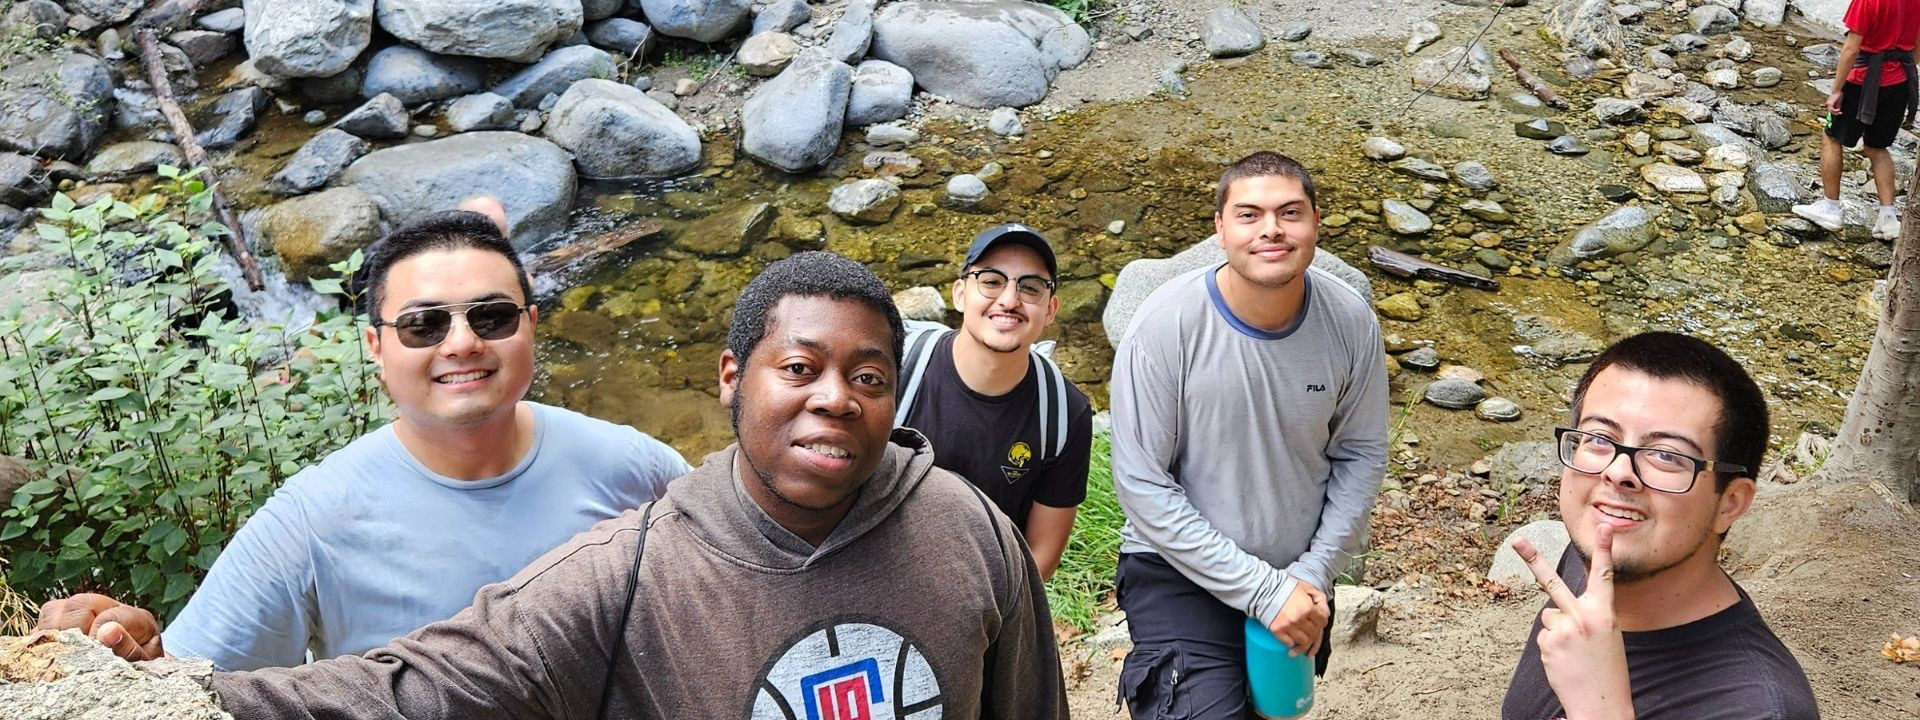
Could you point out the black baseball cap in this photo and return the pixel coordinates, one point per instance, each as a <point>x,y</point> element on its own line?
<point>1017,234</point>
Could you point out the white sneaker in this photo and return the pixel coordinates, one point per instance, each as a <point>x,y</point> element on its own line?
<point>1823,212</point>
<point>1887,227</point>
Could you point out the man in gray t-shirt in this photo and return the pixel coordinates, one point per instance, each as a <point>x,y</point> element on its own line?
<point>1249,440</point>
<point>399,528</point>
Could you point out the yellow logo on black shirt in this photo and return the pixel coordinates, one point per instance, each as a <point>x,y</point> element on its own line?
<point>1019,454</point>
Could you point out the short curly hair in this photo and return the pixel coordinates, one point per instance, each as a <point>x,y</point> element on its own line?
<point>808,274</point>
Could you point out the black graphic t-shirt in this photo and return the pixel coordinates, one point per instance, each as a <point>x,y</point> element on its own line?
<point>994,441</point>
<point>1726,666</point>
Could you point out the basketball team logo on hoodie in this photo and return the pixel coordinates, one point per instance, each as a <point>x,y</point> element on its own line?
<point>849,669</point>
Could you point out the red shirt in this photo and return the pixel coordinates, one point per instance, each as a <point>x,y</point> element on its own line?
<point>1883,25</point>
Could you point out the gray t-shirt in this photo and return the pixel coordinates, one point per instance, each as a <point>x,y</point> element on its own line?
<point>1242,456</point>
<point>369,544</point>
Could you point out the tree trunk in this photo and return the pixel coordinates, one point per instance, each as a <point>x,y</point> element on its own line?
<point>1880,439</point>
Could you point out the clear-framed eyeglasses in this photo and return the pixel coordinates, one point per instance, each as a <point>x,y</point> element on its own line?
<point>1033,289</point>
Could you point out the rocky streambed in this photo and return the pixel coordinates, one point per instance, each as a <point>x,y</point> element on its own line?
<point>1586,248</point>
<point>1657,198</point>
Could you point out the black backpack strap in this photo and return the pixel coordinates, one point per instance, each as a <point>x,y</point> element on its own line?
<point>626,609</point>
<point>987,507</point>
<point>912,368</point>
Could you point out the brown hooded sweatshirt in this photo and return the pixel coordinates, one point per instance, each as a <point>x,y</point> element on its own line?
<point>923,603</point>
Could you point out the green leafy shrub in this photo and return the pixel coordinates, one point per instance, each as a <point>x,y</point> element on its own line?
<point>1082,587</point>
<point>154,420</point>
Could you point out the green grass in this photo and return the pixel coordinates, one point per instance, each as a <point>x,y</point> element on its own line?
<point>1082,588</point>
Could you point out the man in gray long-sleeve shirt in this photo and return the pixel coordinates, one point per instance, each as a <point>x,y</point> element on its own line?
<point>1249,440</point>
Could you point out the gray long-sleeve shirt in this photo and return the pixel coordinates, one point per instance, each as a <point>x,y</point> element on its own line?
<point>1249,459</point>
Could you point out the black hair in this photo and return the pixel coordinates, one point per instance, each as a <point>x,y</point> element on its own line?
<point>444,230</point>
<point>1265,163</point>
<point>1741,431</point>
<point>808,274</point>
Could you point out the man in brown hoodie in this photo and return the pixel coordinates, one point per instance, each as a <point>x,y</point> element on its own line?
<point>820,569</point>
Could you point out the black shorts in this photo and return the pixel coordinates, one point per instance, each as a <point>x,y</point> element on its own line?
<point>1887,118</point>
<point>1189,657</point>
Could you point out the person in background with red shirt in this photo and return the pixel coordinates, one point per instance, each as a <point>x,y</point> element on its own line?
<point>1870,101</point>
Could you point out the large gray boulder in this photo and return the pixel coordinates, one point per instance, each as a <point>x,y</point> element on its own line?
<point>22,183</point>
<point>307,38</point>
<point>1713,20</point>
<point>622,37</point>
<point>416,76</point>
<point>1778,186</point>
<point>482,111</point>
<point>852,33</point>
<point>108,12</point>
<point>781,16</point>
<point>517,30</point>
<point>702,20</point>
<point>1588,27</point>
<point>615,131</point>
<point>555,73</point>
<point>1533,463</point>
<point>532,177</point>
<point>1448,75</point>
<point>318,162</point>
<point>1549,538</point>
<point>794,120</point>
<point>600,9</point>
<point>230,117</point>
<point>55,107</point>
<point>40,18</point>
<point>981,53</point>
<point>1626,229</point>
<point>136,157</point>
<point>1230,33</point>
<point>1829,15</point>
<point>882,93</point>
<point>1139,279</point>
<point>1767,13</point>
<point>311,232</point>
<point>382,118</point>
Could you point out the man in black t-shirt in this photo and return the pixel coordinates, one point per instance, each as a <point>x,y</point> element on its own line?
<point>1668,432</point>
<point>999,414</point>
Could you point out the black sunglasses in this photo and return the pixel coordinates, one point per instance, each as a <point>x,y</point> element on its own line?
<point>427,327</point>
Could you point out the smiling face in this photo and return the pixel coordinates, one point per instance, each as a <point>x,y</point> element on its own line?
<point>1268,228</point>
<point>813,405</point>
<point>1653,531</point>
<point>464,380</point>
<point>1007,323</point>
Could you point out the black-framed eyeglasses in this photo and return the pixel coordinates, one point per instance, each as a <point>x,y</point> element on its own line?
<point>990,283</point>
<point>428,326</point>
<point>1660,469</point>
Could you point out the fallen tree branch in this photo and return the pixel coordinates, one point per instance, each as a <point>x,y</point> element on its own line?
<point>1532,83</point>
<point>196,156</point>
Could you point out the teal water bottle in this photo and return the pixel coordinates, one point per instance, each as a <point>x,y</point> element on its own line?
<point>1282,686</point>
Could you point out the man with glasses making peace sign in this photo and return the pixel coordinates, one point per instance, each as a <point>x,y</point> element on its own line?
<point>1668,431</point>
<point>998,413</point>
<point>399,528</point>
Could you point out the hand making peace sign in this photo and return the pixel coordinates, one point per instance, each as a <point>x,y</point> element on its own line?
<point>1580,643</point>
